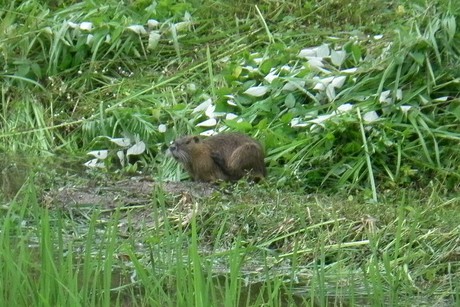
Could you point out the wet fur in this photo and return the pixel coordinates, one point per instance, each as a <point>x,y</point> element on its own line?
<point>227,156</point>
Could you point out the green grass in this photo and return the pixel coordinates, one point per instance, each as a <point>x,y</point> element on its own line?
<point>257,246</point>
<point>362,152</point>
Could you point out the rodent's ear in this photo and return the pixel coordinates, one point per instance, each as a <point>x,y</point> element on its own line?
<point>196,139</point>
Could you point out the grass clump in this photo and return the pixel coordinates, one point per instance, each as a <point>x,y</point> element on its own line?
<point>251,247</point>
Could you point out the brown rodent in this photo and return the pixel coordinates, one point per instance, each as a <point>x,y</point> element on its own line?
<point>225,156</point>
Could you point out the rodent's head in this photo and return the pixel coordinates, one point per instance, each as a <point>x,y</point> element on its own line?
<point>180,149</point>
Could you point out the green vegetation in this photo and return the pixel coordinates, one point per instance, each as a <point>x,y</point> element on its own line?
<point>355,99</point>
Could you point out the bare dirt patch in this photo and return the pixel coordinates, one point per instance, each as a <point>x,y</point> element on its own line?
<point>130,192</point>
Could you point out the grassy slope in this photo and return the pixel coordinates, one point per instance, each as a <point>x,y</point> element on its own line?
<point>404,246</point>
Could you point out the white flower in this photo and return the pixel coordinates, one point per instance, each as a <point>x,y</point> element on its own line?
<point>256,91</point>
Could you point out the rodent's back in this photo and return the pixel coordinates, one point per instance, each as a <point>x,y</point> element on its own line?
<point>226,156</point>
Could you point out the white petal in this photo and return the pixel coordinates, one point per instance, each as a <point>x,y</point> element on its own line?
<point>152,23</point>
<point>370,117</point>
<point>337,57</point>
<point>258,60</point>
<point>330,92</point>
<point>384,96</point>
<point>285,68</point>
<point>256,91</point>
<point>89,39</point>
<point>320,86</point>
<point>315,62</point>
<point>293,85</point>
<point>323,51</point>
<point>377,37</point>
<point>441,99</point>
<point>231,102</point>
<point>208,132</point>
<point>122,142</point>
<point>87,26</point>
<point>210,111</point>
<point>139,29</point>
<point>136,149</point>
<point>250,68</point>
<point>94,163</point>
<point>162,128</point>
<point>99,154</point>
<point>399,94</point>
<point>230,116</point>
<point>208,123</point>
<point>297,122</point>
<point>73,25</point>
<point>320,119</point>
<point>345,107</point>
<point>121,157</point>
<point>349,70</point>
<point>271,76</point>
<point>405,109</point>
<point>307,52</point>
<point>203,106</point>
<point>338,81</point>
<point>183,25</point>
<point>154,38</point>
